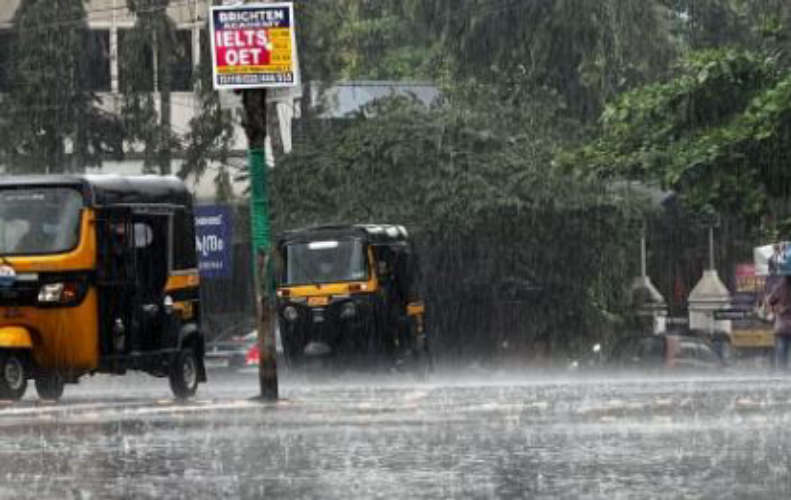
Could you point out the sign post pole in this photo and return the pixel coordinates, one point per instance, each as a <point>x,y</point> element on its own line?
<point>254,48</point>
<point>262,251</point>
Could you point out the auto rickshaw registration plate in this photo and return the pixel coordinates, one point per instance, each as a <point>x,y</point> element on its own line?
<point>318,301</point>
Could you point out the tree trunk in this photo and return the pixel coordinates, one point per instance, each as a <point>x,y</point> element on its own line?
<point>254,124</point>
<point>165,122</point>
<point>254,121</point>
<point>165,70</point>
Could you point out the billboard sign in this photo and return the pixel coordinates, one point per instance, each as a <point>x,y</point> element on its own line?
<point>213,240</point>
<point>253,46</point>
<point>747,280</point>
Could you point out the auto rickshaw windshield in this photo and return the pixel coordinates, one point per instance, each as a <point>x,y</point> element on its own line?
<point>39,220</point>
<point>325,262</point>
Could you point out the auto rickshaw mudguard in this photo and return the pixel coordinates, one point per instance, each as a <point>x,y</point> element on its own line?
<point>15,337</point>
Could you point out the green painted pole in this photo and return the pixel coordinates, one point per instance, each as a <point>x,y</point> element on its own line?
<point>262,251</point>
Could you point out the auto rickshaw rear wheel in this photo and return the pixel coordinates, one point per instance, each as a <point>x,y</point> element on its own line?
<point>184,374</point>
<point>49,386</point>
<point>13,377</point>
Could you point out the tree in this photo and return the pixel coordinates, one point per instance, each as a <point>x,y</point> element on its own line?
<point>361,39</point>
<point>153,36</point>
<point>469,179</point>
<point>211,132</point>
<point>750,24</point>
<point>587,52</point>
<point>50,119</point>
<point>382,41</point>
<point>717,134</point>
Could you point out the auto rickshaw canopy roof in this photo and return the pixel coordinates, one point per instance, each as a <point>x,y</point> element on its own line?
<point>374,234</point>
<point>109,190</point>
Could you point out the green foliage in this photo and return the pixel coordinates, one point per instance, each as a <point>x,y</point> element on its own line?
<point>523,85</point>
<point>50,120</point>
<point>154,32</point>
<point>750,24</point>
<point>585,51</point>
<point>717,133</point>
<point>361,39</point>
<point>469,178</point>
<point>379,41</point>
<point>211,132</point>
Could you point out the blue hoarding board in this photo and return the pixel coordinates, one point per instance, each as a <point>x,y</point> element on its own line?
<point>213,240</point>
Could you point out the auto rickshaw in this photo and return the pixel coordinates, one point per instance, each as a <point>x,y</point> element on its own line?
<point>98,274</point>
<point>347,294</point>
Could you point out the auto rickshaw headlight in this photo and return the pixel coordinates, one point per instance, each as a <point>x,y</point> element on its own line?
<point>59,293</point>
<point>290,313</point>
<point>348,310</point>
<point>51,292</point>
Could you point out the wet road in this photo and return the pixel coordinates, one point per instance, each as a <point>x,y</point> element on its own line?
<point>488,436</point>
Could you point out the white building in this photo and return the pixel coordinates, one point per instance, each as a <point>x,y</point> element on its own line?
<point>110,22</point>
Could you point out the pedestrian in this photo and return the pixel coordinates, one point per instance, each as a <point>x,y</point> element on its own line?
<point>780,303</point>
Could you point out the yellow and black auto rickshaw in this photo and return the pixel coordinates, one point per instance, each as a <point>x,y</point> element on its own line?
<point>347,294</point>
<point>98,274</point>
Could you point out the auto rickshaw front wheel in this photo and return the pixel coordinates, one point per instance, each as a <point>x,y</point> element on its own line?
<point>184,374</point>
<point>49,386</point>
<point>13,376</point>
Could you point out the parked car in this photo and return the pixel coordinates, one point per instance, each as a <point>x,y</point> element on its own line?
<point>232,352</point>
<point>665,351</point>
<point>238,351</point>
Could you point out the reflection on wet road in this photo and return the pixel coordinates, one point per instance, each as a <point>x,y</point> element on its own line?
<point>486,437</point>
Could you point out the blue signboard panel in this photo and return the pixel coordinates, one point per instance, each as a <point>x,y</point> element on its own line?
<point>213,240</point>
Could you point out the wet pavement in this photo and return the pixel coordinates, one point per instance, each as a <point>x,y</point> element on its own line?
<point>490,435</point>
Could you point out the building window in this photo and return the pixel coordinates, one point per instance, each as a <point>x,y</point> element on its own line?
<point>135,62</point>
<point>182,62</point>
<point>136,73</point>
<point>97,53</point>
